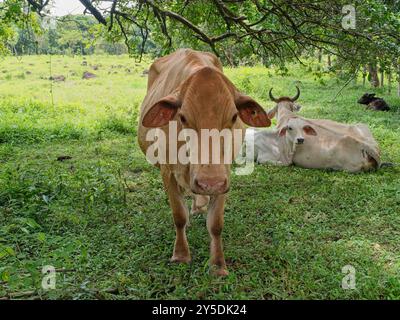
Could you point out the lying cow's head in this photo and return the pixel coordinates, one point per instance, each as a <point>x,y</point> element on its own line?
<point>285,103</point>
<point>296,131</point>
<point>207,100</point>
<point>367,98</point>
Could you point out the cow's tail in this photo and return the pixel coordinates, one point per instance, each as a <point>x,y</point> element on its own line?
<point>387,164</point>
<point>373,156</point>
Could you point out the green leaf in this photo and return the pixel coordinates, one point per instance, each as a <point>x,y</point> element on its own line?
<point>5,276</point>
<point>41,237</point>
<point>25,230</point>
<point>6,251</point>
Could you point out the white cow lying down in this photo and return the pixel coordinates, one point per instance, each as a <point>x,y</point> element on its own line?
<point>266,146</point>
<point>318,144</point>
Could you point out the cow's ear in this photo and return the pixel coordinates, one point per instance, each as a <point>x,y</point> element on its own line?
<point>272,113</point>
<point>161,112</point>
<point>251,112</point>
<point>309,130</point>
<point>297,107</point>
<point>372,95</point>
<point>282,132</point>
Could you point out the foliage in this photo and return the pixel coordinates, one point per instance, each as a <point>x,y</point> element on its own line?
<point>379,23</point>
<point>12,14</point>
<point>240,32</point>
<point>276,31</point>
<point>71,34</point>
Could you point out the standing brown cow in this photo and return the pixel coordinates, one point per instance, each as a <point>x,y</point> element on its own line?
<point>189,87</point>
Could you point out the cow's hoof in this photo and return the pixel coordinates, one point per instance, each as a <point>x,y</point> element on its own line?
<point>219,272</point>
<point>180,259</point>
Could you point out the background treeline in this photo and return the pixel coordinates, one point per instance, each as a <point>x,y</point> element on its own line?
<point>71,35</point>
<point>240,32</point>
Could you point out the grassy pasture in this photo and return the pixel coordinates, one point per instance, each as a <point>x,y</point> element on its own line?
<point>104,218</point>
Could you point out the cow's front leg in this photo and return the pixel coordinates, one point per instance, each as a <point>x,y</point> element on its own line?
<point>215,224</point>
<point>181,216</point>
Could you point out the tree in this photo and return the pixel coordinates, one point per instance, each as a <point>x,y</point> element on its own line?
<point>275,31</point>
<point>12,14</point>
<point>275,28</point>
<point>75,34</point>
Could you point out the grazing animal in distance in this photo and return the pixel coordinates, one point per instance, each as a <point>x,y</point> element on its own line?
<point>373,103</point>
<point>189,88</point>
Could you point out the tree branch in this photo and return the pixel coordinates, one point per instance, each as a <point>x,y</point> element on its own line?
<point>96,13</point>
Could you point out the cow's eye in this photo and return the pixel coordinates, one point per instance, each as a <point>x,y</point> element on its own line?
<point>234,118</point>
<point>290,128</point>
<point>183,119</point>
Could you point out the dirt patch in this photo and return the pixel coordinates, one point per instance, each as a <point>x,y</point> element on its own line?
<point>59,78</point>
<point>63,158</point>
<point>88,75</point>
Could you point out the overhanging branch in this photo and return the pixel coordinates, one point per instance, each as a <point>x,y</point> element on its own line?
<point>96,13</point>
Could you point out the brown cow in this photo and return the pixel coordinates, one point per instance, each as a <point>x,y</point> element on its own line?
<point>189,87</point>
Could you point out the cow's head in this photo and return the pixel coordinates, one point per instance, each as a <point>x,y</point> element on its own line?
<point>296,131</point>
<point>287,103</point>
<point>367,98</point>
<point>208,100</point>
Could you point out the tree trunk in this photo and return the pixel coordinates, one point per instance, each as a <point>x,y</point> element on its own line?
<point>320,55</point>
<point>398,88</point>
<point>364,75</point>
<point>398,79</point>
<point>355,77</point>
<point>229,58</point>
<point>390,80</point>
<point>373,73</point>
<point>382,78</point>
<point>329,61</point>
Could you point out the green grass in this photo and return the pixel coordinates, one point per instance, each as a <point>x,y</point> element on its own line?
<point>103,215</point>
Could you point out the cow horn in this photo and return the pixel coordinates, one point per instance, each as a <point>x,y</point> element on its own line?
<point>297,95</point>
<point>271,96</point>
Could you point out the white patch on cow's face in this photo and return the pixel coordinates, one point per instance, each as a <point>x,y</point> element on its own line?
<point>294,131</point>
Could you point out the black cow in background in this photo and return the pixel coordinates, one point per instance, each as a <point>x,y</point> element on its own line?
<point>374,103</point>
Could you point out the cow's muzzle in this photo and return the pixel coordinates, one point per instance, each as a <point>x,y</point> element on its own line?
<point>300,140</point>
<point>210,186</point>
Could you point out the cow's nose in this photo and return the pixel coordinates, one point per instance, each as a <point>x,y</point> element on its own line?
<point>211,185</point>
<point>300,140</point>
